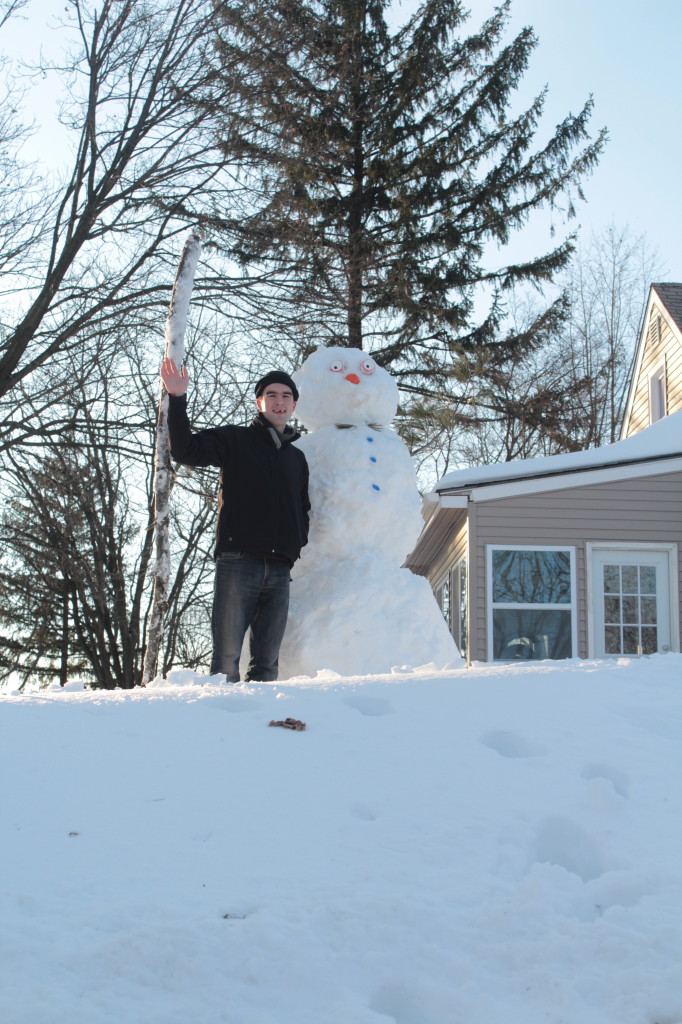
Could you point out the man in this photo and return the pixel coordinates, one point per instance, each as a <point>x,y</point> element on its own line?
<point>262,517</point>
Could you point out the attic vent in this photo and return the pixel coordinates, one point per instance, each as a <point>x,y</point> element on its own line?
<point>655,330</point>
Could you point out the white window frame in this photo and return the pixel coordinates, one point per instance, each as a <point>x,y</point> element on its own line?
<point>633,545</point>
<point>658,378</point>
<point>570,549</point>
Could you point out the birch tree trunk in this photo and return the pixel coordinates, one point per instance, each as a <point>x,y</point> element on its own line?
<point>176,325</point>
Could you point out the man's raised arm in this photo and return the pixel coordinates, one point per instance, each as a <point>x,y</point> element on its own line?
<point>205,448</point>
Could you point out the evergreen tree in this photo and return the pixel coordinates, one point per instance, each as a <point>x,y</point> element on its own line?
<point>374,169</point>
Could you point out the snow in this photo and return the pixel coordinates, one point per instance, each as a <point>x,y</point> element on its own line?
<point>353,608</point>
<point>493,844</point>
<point>660,439</point>
<point>176,325</point>
<point>176,322</point>
<point>344,385</point>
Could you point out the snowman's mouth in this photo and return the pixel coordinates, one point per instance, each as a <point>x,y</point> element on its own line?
<point>352,378</point>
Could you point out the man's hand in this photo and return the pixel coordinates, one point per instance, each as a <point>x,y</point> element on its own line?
<point>175,381</point>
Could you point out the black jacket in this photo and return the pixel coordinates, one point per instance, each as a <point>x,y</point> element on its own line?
<point>263,506</point>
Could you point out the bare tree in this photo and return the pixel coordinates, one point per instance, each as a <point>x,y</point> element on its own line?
<point>568,395</point>
<point>607,284</point>
<point>8,8</point>
<point>76,530</point>
<point>91,252</point>
<point>65,534</point>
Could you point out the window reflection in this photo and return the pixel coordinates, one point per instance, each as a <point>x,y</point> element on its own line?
<point>459,598</point>
<point>530,591</point>
<point>647,579</point>
<point>630,609</point>
<point>531,635</point>
<point>531,577</point>
<point>443,598</point>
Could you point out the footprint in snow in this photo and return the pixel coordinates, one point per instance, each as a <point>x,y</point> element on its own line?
<point>510,744</point>
<point>396,1004</point>
<point>562,842</point>
<point>371,706</point>
<point>621,889</point>
<point>618,779</point>
<point>363,812</point>
<point>235,705</point>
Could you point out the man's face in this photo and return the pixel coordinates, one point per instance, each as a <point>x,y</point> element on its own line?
<point>277,405</point>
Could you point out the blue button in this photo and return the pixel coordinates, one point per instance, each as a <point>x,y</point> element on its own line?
<point>372,458</point>
<point>376,487</point>
<point>371,440</point>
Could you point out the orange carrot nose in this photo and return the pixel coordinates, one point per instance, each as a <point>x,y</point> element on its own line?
<point>352,377</point>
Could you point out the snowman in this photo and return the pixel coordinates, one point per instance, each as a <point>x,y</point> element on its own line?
<point>353,609</point>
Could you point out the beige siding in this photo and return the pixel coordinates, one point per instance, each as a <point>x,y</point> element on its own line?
<point>451,553</point>
<point>435,543</point>
<point>437,562</point>
<point>668,348</point>
<point>632,511</point>
<point>445,547</point>
<point>649,510</point>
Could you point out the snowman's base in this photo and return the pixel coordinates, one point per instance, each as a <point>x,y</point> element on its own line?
<point>361,617</point>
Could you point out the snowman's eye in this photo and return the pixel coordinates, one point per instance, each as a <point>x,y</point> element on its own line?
<point>337,366</point>
<point>368,366</point>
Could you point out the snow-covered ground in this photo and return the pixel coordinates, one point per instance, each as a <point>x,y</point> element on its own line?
<point>497,845</point>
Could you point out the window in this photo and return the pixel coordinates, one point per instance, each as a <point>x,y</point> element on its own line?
<point>531,602</point>
<point>451,595</point>
<point>633,606</point>
<point>459,606</point>
<point>630,609</point>
<point>657,394</point>
<point>443,598</point>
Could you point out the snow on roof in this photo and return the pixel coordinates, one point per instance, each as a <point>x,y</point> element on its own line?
<point>661,439</point>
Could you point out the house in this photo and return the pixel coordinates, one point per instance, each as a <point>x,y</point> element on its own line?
<point>573,555</point>
<point>656,382</point>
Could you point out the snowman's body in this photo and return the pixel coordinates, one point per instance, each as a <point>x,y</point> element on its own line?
<point>353,609</point>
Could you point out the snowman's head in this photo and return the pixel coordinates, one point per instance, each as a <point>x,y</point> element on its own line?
<point>344,385</point>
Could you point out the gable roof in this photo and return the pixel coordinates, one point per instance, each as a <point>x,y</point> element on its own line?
<point>661,441</point>
<point>671,298</point>
<point>668,299</point>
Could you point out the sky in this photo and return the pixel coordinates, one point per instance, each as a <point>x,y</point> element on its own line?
<point>494,844</point>
<point>625,55</point>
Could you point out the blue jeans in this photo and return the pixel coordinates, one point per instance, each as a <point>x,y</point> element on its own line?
<point>249,592</point>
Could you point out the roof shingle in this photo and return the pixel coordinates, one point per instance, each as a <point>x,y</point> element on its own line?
<point>671,297</point>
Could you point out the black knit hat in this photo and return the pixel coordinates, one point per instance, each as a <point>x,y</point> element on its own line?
<point>276,377</point>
